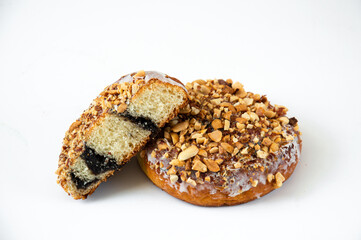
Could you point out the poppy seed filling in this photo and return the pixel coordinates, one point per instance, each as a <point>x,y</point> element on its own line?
<point>142,122</point>
<point>80,183</point>
<point>98,163</point>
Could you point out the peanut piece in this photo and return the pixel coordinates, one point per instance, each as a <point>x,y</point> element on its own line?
<point>217,123</point>
<point>121,108</point>
<point>173,178</point>
<point>199,166</point>
<point>216,136</point>
<point>188,153</point>
<point>212,165</point>
<point>180,126</point>
<point>227,147</point>
<point>175,137</point>
<point>279,179</point>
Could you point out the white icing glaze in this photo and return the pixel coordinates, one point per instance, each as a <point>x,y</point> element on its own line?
<point>241,181</point>
<point>183,186</point>
<point>153,75</point>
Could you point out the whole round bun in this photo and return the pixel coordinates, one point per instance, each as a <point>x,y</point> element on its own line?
<point>227,147</point>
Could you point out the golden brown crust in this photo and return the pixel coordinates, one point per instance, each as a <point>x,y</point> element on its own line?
<point>202,197</point>
<point>226,147</point>
<point>115,98</point>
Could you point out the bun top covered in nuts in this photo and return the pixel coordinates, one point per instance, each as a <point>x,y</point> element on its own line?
<point>226,140</point>
<point>148,76</point>
<point>115,98</point>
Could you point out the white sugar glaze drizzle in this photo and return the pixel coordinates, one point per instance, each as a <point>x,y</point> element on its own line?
<point>153,75</point>
<point>241,181</point>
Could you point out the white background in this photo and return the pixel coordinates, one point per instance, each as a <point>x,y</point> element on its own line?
<point>56,56</point>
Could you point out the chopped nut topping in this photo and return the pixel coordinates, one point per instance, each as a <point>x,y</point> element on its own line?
<point>279,179</point>
<point>270,177</point>
<point>248,101</point>
<point>212,165</point>
<point>229,106</point>
<point>260,111</point>
<point>195,111</point>
<point>244,151</point>
<point>241,120</point>
<point>188,153</point>
<point>219,161</point>
<point>241,108</point>
<point>196,135</point>
<point>205,90</point>
<point>274,147</point>
<point>227,115</point>
<point>270,114</point>
<point>166,135</point>
<point>200,140</point>
<point>216,136</point>
<point>284,120</point>
<point>235,151</point>
<point>139,74</point>
<point>217,113</point>
<point>254,182</point>
<point>237,85</point>
<point>191,182</point>
<point>214,150</point>
<point>253,117</point>
<point>121,108</point>
<point>226,125</point>
<point>173,178</point>
<point>293,121</point>
<point>181,139</point>
<point>162,146</point>
<point>216,101</point>
<point>233,98</point>
<point>197,126</point>
<point>217,124</point>
<point>225,129</point>
<point>246,116</point>
<point>199,166</point>
<point>173,122</point>
<point>202,153</point>
<point>180,126</point>
<point>261,154</point>
<point>188,166</point>
<point>175,137</point>
<point>237,165</point>
<point>200,81</point>
<point>266,141</point>
<point>240,125</point>
<point>227,147</point>
<point>278,129</point>
<point>172,171</point>
<point>177,163</point>
<point>289,138</point>
<point>256,97</point>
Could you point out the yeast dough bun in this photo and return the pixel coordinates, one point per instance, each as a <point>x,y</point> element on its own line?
<point>226,147</point>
